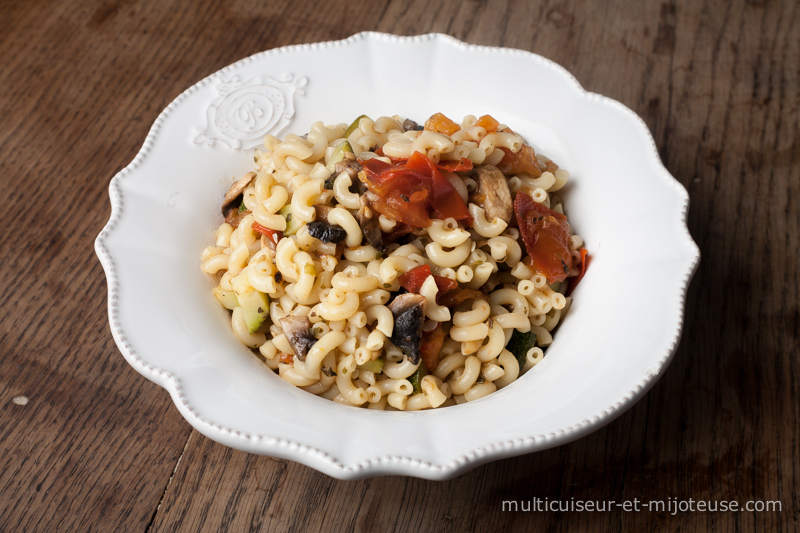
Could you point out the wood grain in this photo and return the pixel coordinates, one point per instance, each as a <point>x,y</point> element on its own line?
<point>97,447</point>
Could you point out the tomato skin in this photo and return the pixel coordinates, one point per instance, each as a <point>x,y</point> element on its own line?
<point>448,165</point>
<point>546,236</point>
<point>430,346</point>
<point>444,285</point>
<point>413,279</point>
<point>413,190</point>
<point>446,202</point>
<point>274,235</point>
<point>455,166</point>
<point>400,230</point>
<point>573,282</point>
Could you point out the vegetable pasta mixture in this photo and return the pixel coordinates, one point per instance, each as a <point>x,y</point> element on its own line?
<point>396,266</point>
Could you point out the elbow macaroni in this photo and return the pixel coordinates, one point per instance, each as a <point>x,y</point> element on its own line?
<point>344,287</point>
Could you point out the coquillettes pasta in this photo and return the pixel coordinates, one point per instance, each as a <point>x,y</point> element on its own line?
<point>394,266</point>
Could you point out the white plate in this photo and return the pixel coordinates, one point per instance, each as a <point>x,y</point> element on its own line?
<point>617,339</point>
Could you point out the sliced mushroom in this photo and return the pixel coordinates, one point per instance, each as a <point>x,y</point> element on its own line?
<point>409,316</point>
<point>270,245</point>
<point>351,166</point>
<point>298,332</point>
<point>322,212</point>
<point>409,125</point>
<point>235,192</point>
<point>368,221</point>
<point>457,296</point>
<point>234,216</point>
<point>326,232</point>
<point>493,194</point>
<point>491,283</point>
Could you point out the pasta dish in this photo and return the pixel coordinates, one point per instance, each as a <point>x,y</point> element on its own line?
<point>392,265</point>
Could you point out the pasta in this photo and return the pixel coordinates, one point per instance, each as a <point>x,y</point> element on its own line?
<point>391,266</point>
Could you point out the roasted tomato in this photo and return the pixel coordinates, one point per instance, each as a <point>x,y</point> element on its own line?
<point>522,161</point>
<point>413,279</point>
<point>546,236</point>
<point>455,166</point>
<point>412,191</point>
<point>431,346</point>
<point>272,234</point>
<point>573,282</point>
<point>448,166</point>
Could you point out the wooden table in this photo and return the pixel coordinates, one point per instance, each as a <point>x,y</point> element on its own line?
<point>98,447</point>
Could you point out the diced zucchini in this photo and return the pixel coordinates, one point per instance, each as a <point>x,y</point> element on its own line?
<point>226,298</point>
<point>558,286</point>
<point>292,225</point>
<point>520,344</point>
<point>352,127</point>
<point>416,378</point>
<point>338,154</point>
<point>375,366</point>
<point>255,305</point>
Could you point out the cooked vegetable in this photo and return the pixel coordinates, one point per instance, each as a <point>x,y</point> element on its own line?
<point>409,314</point>
<point>409,125</point>
<point>339,154</point>
<point>326,232</point>
<point>573,282</point>
<point>416,378</point>
<point>353,125</point>
<point>272,235</point>
<point>413,279</point>
<point>233,207</point>
<point>454,166</point>
<point>255,305</point>
<point>321,213</point>
<point>235,192</point>
<point>412,191</point>
<point>226,298</point>
<point>298,332</point>
<point>370,227</point>
<point>546,236</point>
<point>234,217</point>
<point>520,344</point>
<point>441,124</point>
<point>346,164</point>
<point>431,346</point>
<point>522,161</point>
<point>460,295</point>
<point>374,365</point>
<point>488,123</point>
<point>493,194</point>
<point>292,225</point>
<point>351,166</point>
